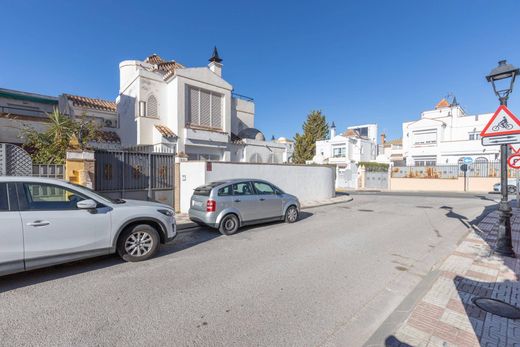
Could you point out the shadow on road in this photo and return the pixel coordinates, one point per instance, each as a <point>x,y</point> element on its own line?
<point>183,241</point>
<point>392,341</point>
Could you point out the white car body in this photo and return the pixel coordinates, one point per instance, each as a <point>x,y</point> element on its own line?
<point>511,184</point>
<point>46,232</point>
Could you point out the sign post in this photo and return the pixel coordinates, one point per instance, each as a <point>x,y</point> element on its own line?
<point>503,129</point>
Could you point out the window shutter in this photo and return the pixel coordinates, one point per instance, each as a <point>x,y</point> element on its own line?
<point>193,117</point>
<point>216,111</point>
<point>205,108</point>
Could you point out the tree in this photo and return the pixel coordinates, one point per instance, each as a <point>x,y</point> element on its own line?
<point>315,129</point>
<point>50,146</point>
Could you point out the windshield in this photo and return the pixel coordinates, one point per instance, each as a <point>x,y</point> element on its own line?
<point>98,195</point>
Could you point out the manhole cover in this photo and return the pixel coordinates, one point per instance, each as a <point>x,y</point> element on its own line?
<point>497,307</point>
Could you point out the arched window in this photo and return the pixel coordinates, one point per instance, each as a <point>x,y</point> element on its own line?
<point>151,107</point>
<point>255,158</point>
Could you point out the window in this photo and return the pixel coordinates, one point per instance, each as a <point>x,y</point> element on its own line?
<point>142,109</point>
<point>50,197</point>
<point>151,107</point>
<point>425,162</point>
<point>4,202</point>
<point>226,191</point>
<point>205,108</point>
<point>263,188</point>
<point>339,152</point>
<point>425,137</point>
<point>242,188</point>
<point>474,136</point>
<point>197,156</point>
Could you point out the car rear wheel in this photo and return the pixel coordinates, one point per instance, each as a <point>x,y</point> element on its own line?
<point>229,225</point>
<point>138,243</point>
<point>291,215</point>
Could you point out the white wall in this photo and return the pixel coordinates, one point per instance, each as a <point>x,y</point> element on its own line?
<point>305,181</point>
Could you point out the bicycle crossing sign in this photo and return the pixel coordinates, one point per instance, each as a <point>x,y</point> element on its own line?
<point>503,122</point>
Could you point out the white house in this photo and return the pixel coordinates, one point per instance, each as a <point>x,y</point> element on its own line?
<point>345,151</point>
<point>446,135</point>
<point>193,109</point>
<point>390,152</point>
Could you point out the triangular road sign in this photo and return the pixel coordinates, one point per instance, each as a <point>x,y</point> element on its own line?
<point>503,122</point>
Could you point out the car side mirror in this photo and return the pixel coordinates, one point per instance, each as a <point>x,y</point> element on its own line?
<point>87,204</point>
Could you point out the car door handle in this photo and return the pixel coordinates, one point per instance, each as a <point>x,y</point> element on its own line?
<point>237,200</point>
<point>262,199</point>
<point>39,223</point>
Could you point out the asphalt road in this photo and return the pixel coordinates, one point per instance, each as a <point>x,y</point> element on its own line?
<point>328,280</point>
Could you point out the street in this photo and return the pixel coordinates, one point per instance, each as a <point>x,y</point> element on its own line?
<point>328,280</point>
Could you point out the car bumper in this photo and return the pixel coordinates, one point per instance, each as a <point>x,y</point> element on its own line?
<point>208,218</point>
<point>173,233</point>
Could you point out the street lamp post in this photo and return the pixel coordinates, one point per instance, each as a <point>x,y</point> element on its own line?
<point>502,78</point>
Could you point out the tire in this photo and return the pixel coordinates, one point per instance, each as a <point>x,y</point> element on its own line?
<point>511,189</point>
<point>292,214</point>
<point>229,225</point>
<point>138,243</point>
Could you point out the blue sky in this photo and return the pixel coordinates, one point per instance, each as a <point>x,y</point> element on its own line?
<point>358,61</point>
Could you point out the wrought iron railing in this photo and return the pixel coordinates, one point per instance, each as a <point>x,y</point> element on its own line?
<point>476,169</point>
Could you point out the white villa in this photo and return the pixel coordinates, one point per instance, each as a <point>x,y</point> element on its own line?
<point>446,135</point>
<point>346,151</point>
<point>192,109</point>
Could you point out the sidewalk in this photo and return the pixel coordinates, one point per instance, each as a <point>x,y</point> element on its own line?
<point>183,221</point>
<point>446,316</point>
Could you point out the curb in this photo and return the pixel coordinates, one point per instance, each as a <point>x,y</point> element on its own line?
<point>185,227</point>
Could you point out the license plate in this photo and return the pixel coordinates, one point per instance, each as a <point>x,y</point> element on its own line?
<point>197,203</point>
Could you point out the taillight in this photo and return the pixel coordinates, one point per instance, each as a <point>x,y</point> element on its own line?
<point>211,206</point>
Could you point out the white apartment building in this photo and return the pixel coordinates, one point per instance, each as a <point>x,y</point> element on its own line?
<point>446,135</point>
<point>390,152</point>
<point>193,109</point>
<point>346,151</point>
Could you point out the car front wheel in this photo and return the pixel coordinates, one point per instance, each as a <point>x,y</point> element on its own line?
<point>291,215</point>
<point>138,243</point>
<point>229,225</point>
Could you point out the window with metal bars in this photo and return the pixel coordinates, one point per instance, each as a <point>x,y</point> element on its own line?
<point>205,108</point>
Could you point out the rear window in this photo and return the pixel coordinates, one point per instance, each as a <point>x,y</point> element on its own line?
<point>206,189</point>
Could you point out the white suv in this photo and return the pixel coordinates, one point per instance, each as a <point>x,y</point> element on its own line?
<point>45,222</point>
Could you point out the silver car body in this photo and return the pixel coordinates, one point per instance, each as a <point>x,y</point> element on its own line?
<point>250,208</point>
<point>38,236</point>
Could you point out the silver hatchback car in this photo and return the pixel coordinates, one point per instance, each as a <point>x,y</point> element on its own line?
<point>228,205</point>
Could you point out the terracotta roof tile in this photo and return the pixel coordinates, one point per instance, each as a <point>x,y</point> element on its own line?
<point>443,103</point>
<point>168,67</point>
<point>350,132</point>
<point>97,104</point>
<point>165,131</point>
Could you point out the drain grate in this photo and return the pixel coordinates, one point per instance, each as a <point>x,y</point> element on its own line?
<point>361,210</point>
<point>497,307</point>
<point>423,206</point>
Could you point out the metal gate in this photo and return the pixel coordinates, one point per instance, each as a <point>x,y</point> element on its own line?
<point>14,161</point>
<point>140,175</point>
<point>376,179</point>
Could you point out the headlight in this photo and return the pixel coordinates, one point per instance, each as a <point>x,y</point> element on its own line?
<point>168,213</point>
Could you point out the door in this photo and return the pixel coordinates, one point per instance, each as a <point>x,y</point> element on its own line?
<point>270,203</point>
<point>245,201</point>
<point>11,231</point>
<point>55,230</point>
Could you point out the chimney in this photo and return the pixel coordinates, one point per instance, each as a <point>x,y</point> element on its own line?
<point>215,63</point>
<point>332,130</point>
<point>383,138</point>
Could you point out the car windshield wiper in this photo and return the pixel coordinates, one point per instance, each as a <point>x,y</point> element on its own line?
<point>118,201</point>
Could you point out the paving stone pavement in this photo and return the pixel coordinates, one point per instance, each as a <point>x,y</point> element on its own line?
<point>446,315</point>
<point>184,222</point>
